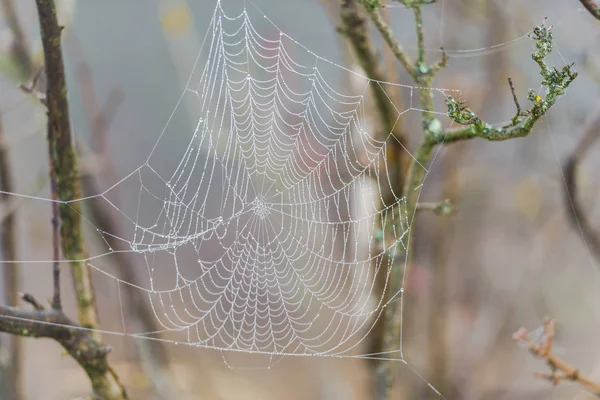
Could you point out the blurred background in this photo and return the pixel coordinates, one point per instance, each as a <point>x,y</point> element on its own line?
<point>506,259</point>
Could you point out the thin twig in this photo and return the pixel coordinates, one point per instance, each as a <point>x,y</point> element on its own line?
<point>27,298</point>
<point>577,216</point>
<point>592,7</point>
<point>388,36</point>
<point>519,113</point>
<point>559,370</point>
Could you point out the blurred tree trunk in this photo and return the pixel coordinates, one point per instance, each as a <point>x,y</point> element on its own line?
<point>10,369</point>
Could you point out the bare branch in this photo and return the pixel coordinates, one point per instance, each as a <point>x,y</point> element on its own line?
<point>559,370</point>
<point>65,163</point>
<point>556,83</point>
<point>78,342</point>
<point>390,39</point>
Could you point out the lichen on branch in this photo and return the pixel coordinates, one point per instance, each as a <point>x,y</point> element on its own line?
<point>554,80</point>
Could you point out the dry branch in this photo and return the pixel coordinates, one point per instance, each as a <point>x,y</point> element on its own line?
<point>559,370</point>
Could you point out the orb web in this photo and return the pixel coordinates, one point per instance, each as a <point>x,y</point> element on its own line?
<point>264,196</point>
<point>259,207</point>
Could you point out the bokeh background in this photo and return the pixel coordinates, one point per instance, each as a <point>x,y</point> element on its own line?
<point>506,259</point>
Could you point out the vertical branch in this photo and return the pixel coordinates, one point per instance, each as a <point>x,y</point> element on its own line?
<point>422,74</point>
<point>56,298</point>
<point>355,29</point>
<point>12,376</point>
<point>64,162</point>
<point>420,35</point>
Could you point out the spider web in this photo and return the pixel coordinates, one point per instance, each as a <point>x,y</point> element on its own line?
<point>275,195</point>
<point>258,238</point>
<point>262,196</point>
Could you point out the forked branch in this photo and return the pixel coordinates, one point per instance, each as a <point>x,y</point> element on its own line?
<point>559,370</point>
<point>77,341</point>
<point>555,81</point>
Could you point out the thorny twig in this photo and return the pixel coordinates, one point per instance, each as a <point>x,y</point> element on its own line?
<point>559,370</point>
<point>577,217</point>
